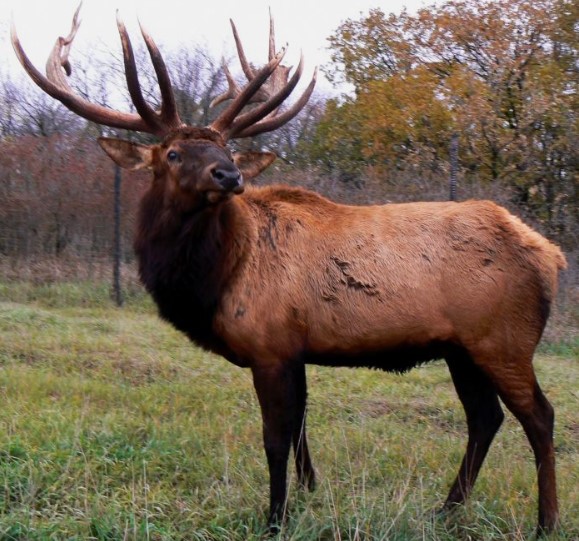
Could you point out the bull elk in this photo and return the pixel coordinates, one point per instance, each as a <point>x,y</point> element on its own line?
<point>276,278</point>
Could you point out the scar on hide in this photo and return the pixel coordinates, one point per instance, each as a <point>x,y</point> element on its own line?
<point>355,282</point>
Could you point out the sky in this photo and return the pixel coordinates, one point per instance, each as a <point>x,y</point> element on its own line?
<point>303,24</point>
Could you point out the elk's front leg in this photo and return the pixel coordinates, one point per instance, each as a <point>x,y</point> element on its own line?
<point>304,468</point>
<point>275,387</point>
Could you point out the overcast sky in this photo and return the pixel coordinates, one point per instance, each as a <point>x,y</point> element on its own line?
<point>304,24</point>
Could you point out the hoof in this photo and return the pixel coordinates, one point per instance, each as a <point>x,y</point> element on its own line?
<point>309,483</point>
<point>447,509</point>
<point>273,530</point>
<point>543,530</point>
<point>274,524</point>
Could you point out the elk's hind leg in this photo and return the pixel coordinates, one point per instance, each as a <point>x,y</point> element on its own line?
<point>483,416</point>
<point>516,384</point>
<point>537,417</point>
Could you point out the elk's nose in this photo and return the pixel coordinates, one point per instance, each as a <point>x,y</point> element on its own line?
<point>229,179</point>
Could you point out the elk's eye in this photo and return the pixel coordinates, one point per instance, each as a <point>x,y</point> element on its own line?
<point>172,156</point>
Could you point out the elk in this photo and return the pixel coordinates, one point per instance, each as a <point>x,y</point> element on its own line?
<point>274,278</point>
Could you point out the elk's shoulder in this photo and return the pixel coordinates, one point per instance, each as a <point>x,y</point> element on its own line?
<point>290,195</point>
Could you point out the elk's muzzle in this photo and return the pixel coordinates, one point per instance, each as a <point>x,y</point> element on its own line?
<point>229,179</point>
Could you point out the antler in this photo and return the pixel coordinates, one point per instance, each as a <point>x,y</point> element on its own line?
<point>268,86</point>
<point>273,88</point>
<point>56,85</point>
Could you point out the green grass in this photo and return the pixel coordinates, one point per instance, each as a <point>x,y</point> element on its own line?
<point>114,427</point>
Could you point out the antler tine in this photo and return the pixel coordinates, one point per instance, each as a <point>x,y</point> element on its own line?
<point>271,52</point>
<point>57,63</point>
<point>168,118</point>
<point>169,113</point>
<point>232,91</point>
<point>269,88</point>
<point>132,78</point>
<point>55,84</point>
<point>272,93</point>
<point>245,65</point>
<point>266,122</point>
<point>226,118</point>
<point>269,107</point>
<point>59,58</point>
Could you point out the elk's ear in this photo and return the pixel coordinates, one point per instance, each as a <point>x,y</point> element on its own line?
<point>252,164</point>
<point>126,154</point>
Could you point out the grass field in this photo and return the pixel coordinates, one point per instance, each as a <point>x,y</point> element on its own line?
<point>114,427</point>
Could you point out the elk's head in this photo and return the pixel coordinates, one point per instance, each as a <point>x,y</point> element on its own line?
<point>193,164</point>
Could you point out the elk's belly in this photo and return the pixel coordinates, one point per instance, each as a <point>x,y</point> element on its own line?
<point>396,359</point>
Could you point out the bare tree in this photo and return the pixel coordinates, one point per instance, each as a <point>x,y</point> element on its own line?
<point>26,111</point>
<point>197,79</point>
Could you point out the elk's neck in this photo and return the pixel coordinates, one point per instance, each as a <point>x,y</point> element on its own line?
<point>187,260</point>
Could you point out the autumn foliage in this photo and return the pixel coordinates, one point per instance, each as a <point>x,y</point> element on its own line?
<point>57,198</point>
<point>502,74</point>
